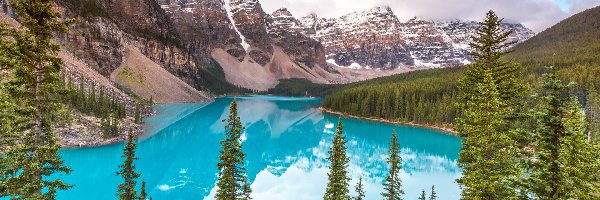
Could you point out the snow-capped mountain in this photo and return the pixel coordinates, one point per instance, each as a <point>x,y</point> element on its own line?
<point>366,38</point>
<point>375,38</point>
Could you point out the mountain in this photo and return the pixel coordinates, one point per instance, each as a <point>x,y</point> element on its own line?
<point>375,38</point>
<point>366,38</point>
<point>573,45</point>
<point>573,41</point>
<point>222,47</point>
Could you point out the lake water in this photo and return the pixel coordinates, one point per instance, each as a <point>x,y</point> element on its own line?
<point>286,142</point>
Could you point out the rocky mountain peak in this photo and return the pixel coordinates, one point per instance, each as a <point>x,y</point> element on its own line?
<point>369,38</point>
<point>250,20</point>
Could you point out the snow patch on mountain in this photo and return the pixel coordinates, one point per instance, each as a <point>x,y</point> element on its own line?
<point>229,15</point>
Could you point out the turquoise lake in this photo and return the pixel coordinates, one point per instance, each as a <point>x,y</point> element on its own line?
<point>286,142</point>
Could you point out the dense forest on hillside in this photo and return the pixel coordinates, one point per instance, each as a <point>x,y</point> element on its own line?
<point>427,97</point>
<point>424,96</point>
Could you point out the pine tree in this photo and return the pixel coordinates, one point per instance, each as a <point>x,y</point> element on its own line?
<point>143,194</point>
<point>126,190</point>
<point>433,194</point>
<point>392,187</point>
<point>338,180</point>
<point>486,156</point>
<point>489,45</point>
<point>423,195</point>
<point>138,115</point>
<point>565,164</point>
<point>232,183</point>
<point>491,93</point>
<point>34,66</point>
<point>360,190</point>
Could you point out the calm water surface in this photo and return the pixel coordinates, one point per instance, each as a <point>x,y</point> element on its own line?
<point>285,141</point>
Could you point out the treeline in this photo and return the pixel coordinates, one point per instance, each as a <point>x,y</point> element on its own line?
<point>426,97</point>
<point>98,104</point>
<point>570,46</point>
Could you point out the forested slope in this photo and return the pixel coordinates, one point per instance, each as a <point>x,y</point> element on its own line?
<point>427,97</point>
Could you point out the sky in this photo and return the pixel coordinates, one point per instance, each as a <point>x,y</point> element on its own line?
<point>534,14</point>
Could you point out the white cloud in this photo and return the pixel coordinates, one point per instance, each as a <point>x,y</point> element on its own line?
<point>535,14</point>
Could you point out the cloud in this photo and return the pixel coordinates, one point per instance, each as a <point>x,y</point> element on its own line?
<point>535,14</point>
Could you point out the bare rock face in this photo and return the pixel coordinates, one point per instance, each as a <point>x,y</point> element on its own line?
<point>286,32</point>
<point>103,26</point>
<point>251,21</point>
<point>430,46</point>
<point>204,25</point>
<point>368,38</point>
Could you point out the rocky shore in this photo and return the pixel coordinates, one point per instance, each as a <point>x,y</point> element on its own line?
<point>86,131</point>
<point>446,130</point>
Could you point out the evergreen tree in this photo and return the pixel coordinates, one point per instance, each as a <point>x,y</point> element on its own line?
<point>338,180</point>
<point>143,194</point>
<point>360,190</point>
<point>433,194</point>
<point>232,183</point>
<point>138,115</point>
<point>564,163</point>
<point>126,190</point>
<point>489,45</point>
<point>423,195</point>
<point>491,93</point>
<point>486,155</point>
<point>392,187</point>
<point>31,59</point>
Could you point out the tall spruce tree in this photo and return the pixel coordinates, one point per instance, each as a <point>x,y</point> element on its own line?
<point>34,66</point>
<point>433,195</point>
<point>360,190</point>
<point>143,194</point>
<point>338,180</point>
<point>491,93</point>
<point>564,163</point>
<point>232,183</point>
<point>126,190</point>
<point>423,195</point>
<point>489,45</point>
<point>392,187</point>
<point>486,155</point>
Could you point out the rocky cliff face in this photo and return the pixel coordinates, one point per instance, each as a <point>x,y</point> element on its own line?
<point>375,38</point>
<point>460,31</point>
<point>251,21</point>
<point>287,32</point>
<point>430,46</point>
<point>103,26</point>
<point>370,38</point>
<point>203,25</point>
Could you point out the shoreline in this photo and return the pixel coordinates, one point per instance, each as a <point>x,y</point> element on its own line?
<point>445,130</point>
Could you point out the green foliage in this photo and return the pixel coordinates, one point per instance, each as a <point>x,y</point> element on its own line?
<point>143,193</point>
<point>232,183</point>
<point>491,93</point>
<point>88,8</point>
<point>212,78</point>
<point>138,115</point>
<point>392,187</point>
<point>110,126</point>
<point>360,190</point>
<point>338,180</point>
<point>302,87</point>
<point>564,163</point>
<point>573,41</point>
<point>433,194</point>
<point>126,190</point>
<point>101,105</point>
<point>486,154</point>
<point>426,97</point>
<point>32,89</point>
<point>423,195</point>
